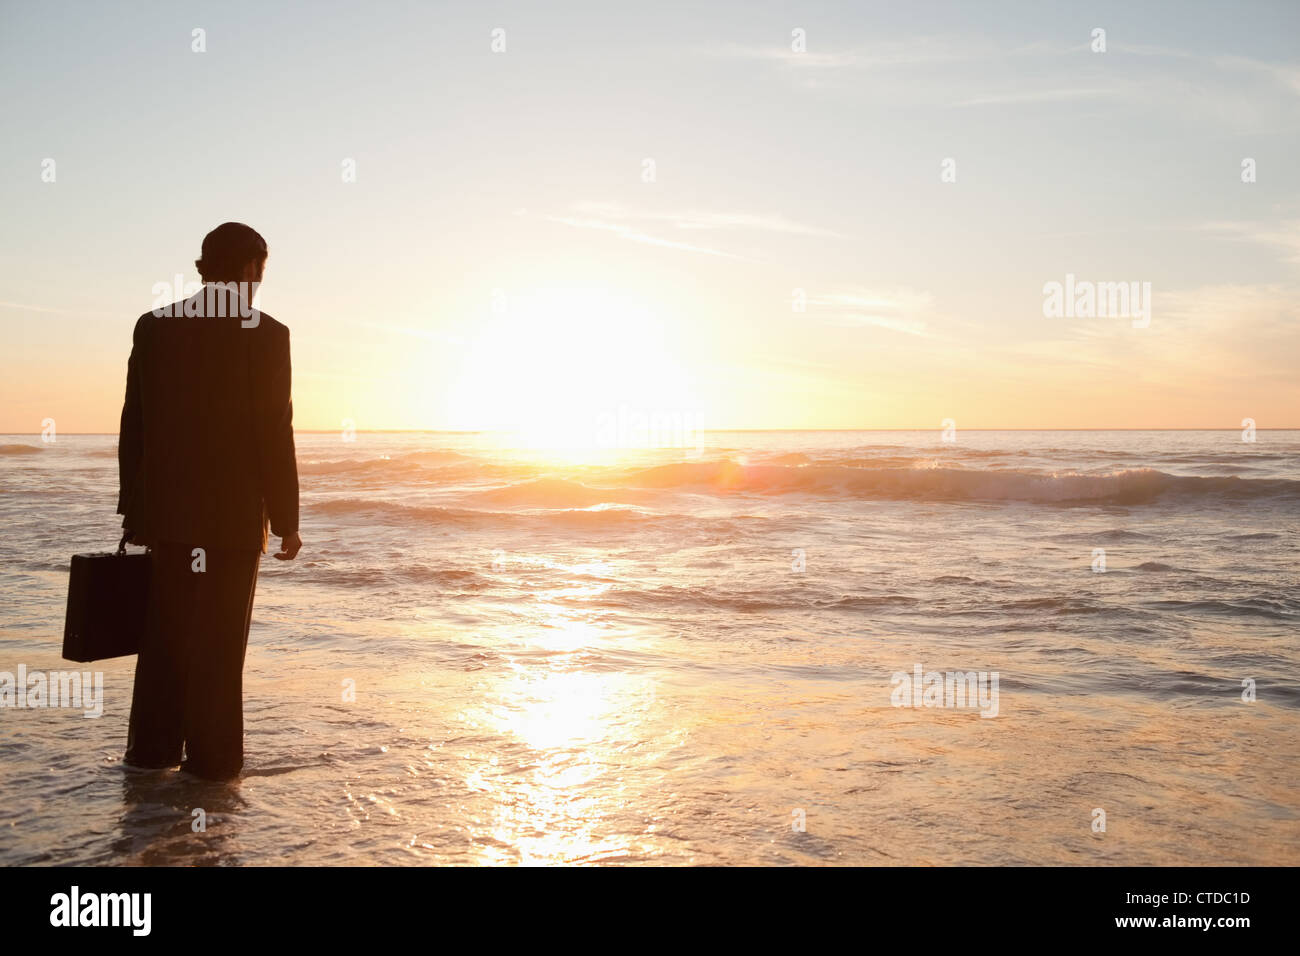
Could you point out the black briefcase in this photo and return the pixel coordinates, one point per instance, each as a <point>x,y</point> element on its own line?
<point>108,594</point>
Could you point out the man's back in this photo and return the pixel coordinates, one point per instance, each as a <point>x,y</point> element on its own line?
<point>205,457</point>
<point>206,447</point>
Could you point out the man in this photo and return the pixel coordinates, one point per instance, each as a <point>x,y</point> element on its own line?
<point>206,463</point>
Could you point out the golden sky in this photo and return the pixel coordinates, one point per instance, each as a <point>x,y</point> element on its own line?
<point>673,211</point>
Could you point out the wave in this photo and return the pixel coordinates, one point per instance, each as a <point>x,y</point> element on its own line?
<point>385,464</point>
<point>396,577</point>
<point>559,493</point>
<point>641,495</point>
<point>390,512</point>
<point>1125,487</point>
<point>1272,607</point>
<point>20,449</point>
<point>1111,536</point>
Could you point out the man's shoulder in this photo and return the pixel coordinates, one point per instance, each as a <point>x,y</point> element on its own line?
<point>144,325</point>
<point>269,327</point>
<point>273,326</point>
<point>271,331</point>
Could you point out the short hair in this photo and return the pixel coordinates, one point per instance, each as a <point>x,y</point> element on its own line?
<point>227,249</point>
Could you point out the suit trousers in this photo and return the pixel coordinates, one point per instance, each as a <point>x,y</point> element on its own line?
<point>189,673</point>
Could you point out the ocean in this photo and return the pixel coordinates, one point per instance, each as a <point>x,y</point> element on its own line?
<point>733,653</point>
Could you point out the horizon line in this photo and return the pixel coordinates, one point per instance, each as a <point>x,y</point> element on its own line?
<point>491,431</point>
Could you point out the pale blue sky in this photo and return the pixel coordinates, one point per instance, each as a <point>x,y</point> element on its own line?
<point>522,172</point>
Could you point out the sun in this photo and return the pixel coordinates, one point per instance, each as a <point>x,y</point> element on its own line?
<point>576,369</point>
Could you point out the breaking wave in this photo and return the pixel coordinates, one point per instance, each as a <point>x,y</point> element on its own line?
<point>1127,487</point>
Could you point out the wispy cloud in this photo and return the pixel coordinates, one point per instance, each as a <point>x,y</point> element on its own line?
<point>632,235</point>
<point>1283,236</point>
<point>1216,335</point>
<point>898,310</point>
<point>646,226</point>
<point>881,55</point>
<point>704,219</point>
<point>78,313</point>
<point>1286,75</point>
<point>1039,96</point>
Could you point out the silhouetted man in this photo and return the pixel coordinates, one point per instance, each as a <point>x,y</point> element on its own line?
<point>206,462</point>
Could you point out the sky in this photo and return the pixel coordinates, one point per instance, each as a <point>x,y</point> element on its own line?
<point>747,215</point>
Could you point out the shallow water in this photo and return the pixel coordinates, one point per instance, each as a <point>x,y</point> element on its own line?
<point>612,657</point>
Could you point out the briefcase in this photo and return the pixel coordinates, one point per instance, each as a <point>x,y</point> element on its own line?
<point>108,594</point>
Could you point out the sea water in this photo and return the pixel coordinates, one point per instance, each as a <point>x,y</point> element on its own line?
<point>490,653</point>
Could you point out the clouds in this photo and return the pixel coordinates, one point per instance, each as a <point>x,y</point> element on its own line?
<point>706,219</point>
<point>624,231</point>
<point>989,71</point>
<point>1284,75</point>
<point>898,310</point>
<point>1283,236</point>
<point>881,54</point>
<point>1039,96</point>
<point>673,227</point>
<point>1206,341</point>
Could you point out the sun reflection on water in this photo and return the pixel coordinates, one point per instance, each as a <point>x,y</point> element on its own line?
<point>570,732</point>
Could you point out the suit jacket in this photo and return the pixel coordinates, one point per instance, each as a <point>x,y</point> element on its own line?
<point>205,452</point>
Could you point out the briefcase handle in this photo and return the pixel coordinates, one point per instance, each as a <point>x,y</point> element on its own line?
<point>121,545</point>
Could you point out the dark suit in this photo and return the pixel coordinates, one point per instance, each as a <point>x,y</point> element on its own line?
<point>206,461</point>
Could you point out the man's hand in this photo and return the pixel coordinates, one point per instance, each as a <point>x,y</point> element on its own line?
<point>290,545</point>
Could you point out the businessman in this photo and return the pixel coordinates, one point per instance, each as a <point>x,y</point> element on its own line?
<point>206,464</point>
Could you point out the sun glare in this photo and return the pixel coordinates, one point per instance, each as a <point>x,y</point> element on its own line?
<point>581,370</point>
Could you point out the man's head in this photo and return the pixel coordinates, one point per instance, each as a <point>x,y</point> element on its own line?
<point>232,252</point>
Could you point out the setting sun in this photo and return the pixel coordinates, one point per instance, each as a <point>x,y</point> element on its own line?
<point>555,367</point>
